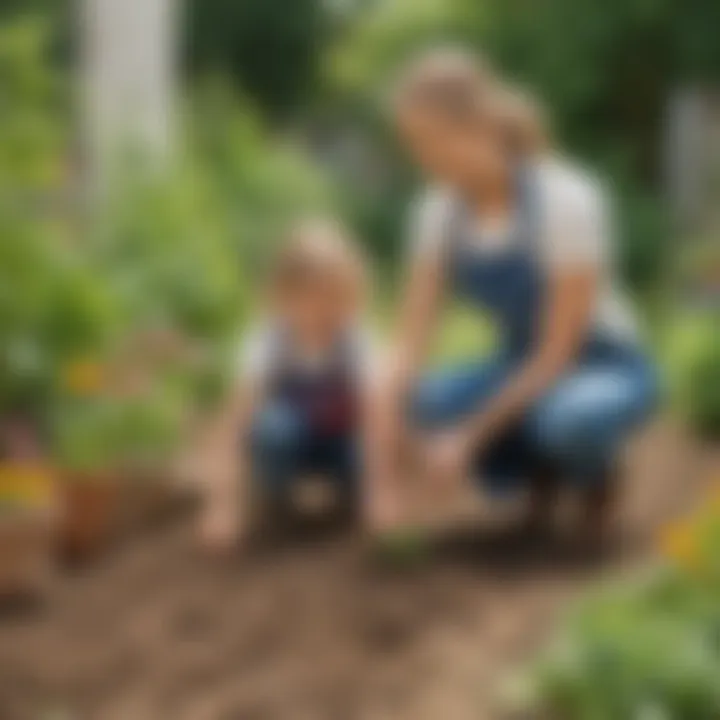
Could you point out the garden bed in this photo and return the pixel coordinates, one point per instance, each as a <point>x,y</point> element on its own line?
<point>311,630</point>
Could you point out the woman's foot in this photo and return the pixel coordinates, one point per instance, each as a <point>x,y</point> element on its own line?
<point>598,507</point>
<point>542,502</point>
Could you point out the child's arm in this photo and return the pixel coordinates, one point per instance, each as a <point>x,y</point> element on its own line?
<point>226,469</point>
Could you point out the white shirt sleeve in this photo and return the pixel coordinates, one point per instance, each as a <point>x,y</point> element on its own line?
<point>576,227</point>
<point>257,355</point>
<point>430,216</point>
<point>364,355</point>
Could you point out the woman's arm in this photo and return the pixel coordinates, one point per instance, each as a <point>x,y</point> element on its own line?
<point>384,428</point>
<point>418,319</point>
<point>571,298</point>
<point>386,433</point>
<point>423,287</point>
<point>574,249</point>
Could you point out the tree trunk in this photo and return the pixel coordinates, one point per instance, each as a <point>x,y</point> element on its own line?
<point>128,78</point>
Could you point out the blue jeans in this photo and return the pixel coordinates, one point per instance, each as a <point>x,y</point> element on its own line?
<point>578,426</point>
<point>284,449</point>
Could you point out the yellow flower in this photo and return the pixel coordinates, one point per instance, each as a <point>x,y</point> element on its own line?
<point>23,483</point>
<point>679,542</point>
<point>83,377</point>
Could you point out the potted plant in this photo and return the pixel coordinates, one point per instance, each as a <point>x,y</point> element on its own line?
<point>114,431</point>
<point>86,449</point>
<point>27,512</point>
<point>149,431</point>
<point>83,320</point>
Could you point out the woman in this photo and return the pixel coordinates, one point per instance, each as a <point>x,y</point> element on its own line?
<point>522,236</point>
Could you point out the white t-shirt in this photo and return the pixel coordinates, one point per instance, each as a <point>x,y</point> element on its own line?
<point>262,351</point>
<point>576,232</point>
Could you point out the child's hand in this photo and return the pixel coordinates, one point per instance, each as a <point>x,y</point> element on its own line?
<point>219,528</point>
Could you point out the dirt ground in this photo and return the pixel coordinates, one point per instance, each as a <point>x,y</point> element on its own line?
<point>312,630</point>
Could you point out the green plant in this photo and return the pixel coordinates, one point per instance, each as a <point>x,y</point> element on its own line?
<point>32,135</point>
<point>116,325</point>
<point>112,433</point>
<point>260,182</point>
<point>646,648</point>
<point>694,359</point>
<point>33,127</point>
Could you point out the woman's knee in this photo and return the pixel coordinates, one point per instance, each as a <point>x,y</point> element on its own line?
<point>589,416</point>
<point>431,403</point>
<point>446,396</point>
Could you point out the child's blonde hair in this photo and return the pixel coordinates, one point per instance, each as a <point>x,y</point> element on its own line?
<point>460,86</point>
<point>318,249</point>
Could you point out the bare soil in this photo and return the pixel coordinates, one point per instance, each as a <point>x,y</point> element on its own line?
<point>311,629</point>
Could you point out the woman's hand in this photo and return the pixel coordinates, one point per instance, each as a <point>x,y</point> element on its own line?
<point>446,455</point>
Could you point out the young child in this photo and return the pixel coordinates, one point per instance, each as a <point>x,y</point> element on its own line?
<point>297,407</point>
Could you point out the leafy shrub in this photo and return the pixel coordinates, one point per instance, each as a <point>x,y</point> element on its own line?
<point>650,648</point>
<point>260,183</point>
<point>32,128</point>
<point>115,326</point>
<point>694,358</point>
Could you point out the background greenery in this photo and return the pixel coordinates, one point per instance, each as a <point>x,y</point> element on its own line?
<point>119,322</point>
<point>283,114</point>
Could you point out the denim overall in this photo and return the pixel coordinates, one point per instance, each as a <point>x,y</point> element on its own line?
<point>307,425</point>
<point>579,424</point>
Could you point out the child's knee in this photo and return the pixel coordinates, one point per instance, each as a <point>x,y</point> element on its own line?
<point>277,431</point>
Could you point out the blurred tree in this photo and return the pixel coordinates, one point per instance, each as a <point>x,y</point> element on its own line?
<point>381,34</point>
<point>604,68</point>
<point>58,13</point>
<point>272,48</point>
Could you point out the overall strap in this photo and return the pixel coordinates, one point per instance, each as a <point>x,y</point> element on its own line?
<point>281,354</point>
<point>339,360</point>
<point>343,359</point>
<point>527,225</point>
<point>455,223</point>
<point>529,216</point>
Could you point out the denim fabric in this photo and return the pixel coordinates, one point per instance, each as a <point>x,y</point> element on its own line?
<point>284,449</point>
<point>578,425</point>
<point>581,421</point>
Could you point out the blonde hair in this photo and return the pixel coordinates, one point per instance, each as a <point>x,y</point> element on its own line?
<point>317,249</point>
<point>451,81</point>
<point>523,120</point>
<point>460,86</point>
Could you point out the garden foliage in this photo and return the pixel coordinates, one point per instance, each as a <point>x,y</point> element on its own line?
<point>118,324</point>
<point>649,648</point>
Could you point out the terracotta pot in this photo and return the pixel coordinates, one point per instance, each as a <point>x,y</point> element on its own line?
<point>89,514</point>
<point>26,552</point>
